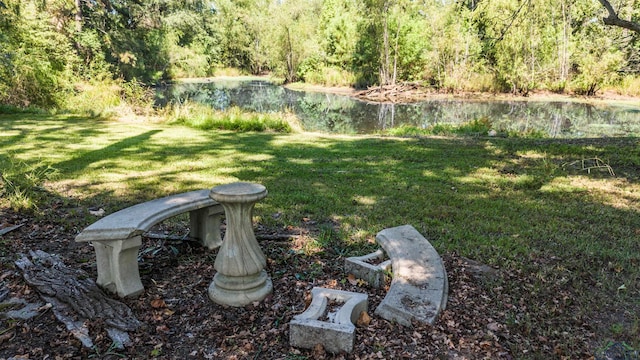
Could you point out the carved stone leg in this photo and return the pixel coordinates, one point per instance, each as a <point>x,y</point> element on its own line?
<point>103,263</point>
<point>240,278</point>
<point>117,263</point>
<point>205,226</point>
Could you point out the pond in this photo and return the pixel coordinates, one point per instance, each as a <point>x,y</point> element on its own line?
<point>333,113</point>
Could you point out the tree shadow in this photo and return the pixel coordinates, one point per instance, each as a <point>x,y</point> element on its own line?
<point>508,203</point>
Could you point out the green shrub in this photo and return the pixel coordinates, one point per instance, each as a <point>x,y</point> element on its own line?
<point>99,98</point>
<point>205,118</point>
<point>110,97</point>
<point>475,127</point>
<point>21,183</point>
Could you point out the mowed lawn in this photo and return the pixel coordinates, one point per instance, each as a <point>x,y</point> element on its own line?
<point>564,214</point>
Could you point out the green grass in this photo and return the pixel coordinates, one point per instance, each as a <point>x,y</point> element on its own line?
<point>205,118</point>
<point>474,128</point>
<point>517,204</point>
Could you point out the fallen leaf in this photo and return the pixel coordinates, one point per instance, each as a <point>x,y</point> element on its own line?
<point>6,336</point>
<point>162,328</point>
<point>352,279</point>
<point>158,303</point>
<point>307,300</point>
<point>318,351</point>
<point>363,320</point>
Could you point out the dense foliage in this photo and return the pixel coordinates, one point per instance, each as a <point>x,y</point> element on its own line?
<point>516,46</point>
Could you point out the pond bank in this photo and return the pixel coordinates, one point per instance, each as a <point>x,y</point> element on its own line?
<point>413,93</point>
<point>343,110</point>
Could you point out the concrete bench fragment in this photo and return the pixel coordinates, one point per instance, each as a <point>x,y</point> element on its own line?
<point>364,268</point>
<point>336,333</point>
<point>116,238</point>
<point>419,286</point>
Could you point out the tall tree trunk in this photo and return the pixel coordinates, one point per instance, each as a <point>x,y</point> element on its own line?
<point>564,47</point>
<point>289,58</point>
<point>395,57</point>
<point>384,67</point>
<point>78,15</point>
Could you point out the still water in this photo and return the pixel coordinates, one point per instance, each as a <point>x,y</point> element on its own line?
<point>331,113</point>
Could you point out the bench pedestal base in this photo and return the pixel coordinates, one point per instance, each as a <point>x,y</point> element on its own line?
<point>240,290</point>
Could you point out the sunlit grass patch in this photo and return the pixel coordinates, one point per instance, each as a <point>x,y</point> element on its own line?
<point>566,240</point>
<point>21,184</point>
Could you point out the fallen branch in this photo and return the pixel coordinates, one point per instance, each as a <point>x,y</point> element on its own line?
<point>276,237</point>
<point>9,229</point>
<point>591,164</point>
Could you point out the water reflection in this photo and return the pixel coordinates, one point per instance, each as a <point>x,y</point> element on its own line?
<point>333,113</point>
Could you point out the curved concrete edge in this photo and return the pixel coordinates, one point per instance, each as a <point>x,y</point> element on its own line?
<point>338,333</point>
<point>419,287</point>
<point>139,218</point>
<point>360,267</point>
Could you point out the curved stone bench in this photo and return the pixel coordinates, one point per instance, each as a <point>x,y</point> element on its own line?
<point>116,238</point>
<point>419,286</point>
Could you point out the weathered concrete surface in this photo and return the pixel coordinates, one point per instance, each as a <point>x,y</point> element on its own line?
<point>318,324</point>
<point>240,278</point>
<point>116,237</point>
<point>362,268</point>
<point>419,286</point>
<point>137,219</point>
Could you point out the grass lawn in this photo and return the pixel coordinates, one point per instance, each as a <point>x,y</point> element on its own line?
<point>541,209</point>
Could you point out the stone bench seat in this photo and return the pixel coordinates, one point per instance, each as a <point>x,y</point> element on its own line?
<point>116,238</point>
<point>419,285</point>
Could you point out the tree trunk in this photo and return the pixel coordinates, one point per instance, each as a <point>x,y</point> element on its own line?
<point>395,57</point>
<point>384,68</point>
<point>78,15</point>
<point>564,52</point>
<point>289,58</point>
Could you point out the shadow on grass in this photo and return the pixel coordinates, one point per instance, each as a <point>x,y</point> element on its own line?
<point>509,203</point>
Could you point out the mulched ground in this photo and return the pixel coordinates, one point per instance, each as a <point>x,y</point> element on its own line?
<point>180,322</point>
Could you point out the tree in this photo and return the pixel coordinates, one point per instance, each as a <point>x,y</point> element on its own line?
<point>35,59</point>
<point>614,20</point>
<point>296,24</point>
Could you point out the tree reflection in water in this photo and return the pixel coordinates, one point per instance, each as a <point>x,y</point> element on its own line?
<point>332,113</point>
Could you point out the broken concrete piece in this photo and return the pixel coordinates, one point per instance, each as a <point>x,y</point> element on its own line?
<point>333,328</point>
<point>419,286</point>
<point>363,268</point>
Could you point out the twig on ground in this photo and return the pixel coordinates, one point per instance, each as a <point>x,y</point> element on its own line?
<point>10,228</point>
<point>591,164</point>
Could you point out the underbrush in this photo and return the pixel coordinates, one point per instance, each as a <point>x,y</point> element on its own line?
<point>203,117</point>
<point>477,127</point>
<point>21,183</point>
<point>111,98</point>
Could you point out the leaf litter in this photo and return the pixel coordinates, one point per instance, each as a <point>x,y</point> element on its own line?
<point>490,314</point>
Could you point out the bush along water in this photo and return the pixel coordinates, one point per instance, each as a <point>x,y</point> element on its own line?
<point>234,119</point>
